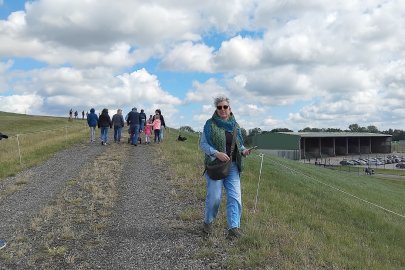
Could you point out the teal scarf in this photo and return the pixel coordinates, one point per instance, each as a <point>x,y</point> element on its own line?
<point>214,131</point>
<point>227,125</point>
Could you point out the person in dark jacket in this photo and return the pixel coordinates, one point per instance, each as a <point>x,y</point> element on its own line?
<point>133,121</point>
<point>104,122</point>
<point>92,120</point>
<point>163,124</point>
<point>118,123</point>
<point>142,118</point>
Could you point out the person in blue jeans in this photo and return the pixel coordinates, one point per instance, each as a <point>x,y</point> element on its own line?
<point>104,123</point>
<point>118,124</point>
<point>133,121</point>
<point>216,141</point>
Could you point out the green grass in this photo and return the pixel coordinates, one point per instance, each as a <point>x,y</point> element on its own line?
<point>300,222</point>
<point>35,139</point>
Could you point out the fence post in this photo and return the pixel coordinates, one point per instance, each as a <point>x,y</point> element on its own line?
<point>66,135</point>
<point>19,150</point>
<point>258,182</point>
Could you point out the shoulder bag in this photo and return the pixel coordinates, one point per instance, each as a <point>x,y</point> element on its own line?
<point>220,169</point>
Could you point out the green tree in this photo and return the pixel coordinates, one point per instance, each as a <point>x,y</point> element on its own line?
<point>354,128</point>
<point>187,129</point>
<point>244,134</point>
<point>372,129</point>
<point>254,131</point>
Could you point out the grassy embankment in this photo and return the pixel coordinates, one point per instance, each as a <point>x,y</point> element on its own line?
<point>300,222</point>
<point>38,138</point>
<point>64,233</point>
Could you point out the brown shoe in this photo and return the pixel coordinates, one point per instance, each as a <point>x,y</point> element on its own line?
<point>234,233</point>
<point>207,228</point>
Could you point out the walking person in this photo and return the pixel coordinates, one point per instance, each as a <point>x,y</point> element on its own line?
<point>133,122</point>
<point>76,114</point>
<point>148,131</point>
<point>92,120</point>
<point>162,125</point>
<point>118,123</point>
<point>142,119</point>
<point>104,122</point>
<point>156,128</point>
<point>216,143</point>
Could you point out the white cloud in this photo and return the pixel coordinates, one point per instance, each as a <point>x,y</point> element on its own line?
<point>21,104</point>
<point>205,92</point>
<point>62,88</point>
<point>239,53</point>
<point>189,57</point>
<point>343,58</point>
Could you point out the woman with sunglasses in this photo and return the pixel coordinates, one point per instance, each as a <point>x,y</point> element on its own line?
<point>216,141</point>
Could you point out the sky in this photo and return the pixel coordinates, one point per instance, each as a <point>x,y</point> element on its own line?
<point>283,64</point>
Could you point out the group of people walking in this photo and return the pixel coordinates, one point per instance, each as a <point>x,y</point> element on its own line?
<point>136,121</point>
<point>76,114</point>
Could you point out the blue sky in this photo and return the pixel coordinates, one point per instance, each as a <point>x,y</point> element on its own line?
<point>283,64</point>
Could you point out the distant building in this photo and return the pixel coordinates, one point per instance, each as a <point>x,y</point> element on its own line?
<point>304,145</point>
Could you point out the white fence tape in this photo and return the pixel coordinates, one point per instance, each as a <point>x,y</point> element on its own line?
<point>339,190</point>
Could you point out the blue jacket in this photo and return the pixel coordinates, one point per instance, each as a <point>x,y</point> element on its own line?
<point>92,118</point>
<point>133,118</point>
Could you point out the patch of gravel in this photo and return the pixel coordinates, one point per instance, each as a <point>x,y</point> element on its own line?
<point>145,231</point>
<point>41,183</point>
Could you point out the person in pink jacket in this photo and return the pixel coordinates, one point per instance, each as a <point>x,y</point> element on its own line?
<point>156,127</point>
<point>148,131</point>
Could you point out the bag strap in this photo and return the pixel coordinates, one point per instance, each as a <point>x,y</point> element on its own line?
<point>233,142</point>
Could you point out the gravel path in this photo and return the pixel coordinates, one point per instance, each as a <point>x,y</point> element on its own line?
<point>145,231</point>
<point>38,185</point>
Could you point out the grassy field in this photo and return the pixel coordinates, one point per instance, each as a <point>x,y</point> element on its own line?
<point>32,139</point>
<point>302,220</point>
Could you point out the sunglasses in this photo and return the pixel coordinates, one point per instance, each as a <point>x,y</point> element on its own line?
<point>225,107</point>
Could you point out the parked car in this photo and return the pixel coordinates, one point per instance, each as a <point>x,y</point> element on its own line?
<point>346,163</point>
<point>375,162</point>
<point>400,165</point>
<point>355,162</point>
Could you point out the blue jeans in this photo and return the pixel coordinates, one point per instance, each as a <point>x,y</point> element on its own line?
<point>233,198</point>
<point>135,131</point>
<point>104,134</point>
<point>142,124</point>
<point>161,133</point>
<point>117,134</point>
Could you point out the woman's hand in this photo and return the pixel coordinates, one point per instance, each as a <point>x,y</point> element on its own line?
<point>222,156</point>
<point>246,152</point>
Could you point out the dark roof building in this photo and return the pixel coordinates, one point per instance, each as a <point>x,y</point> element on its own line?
<point>300,145</point>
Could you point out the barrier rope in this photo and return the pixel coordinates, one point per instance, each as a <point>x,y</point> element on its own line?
<point>340,190</point>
